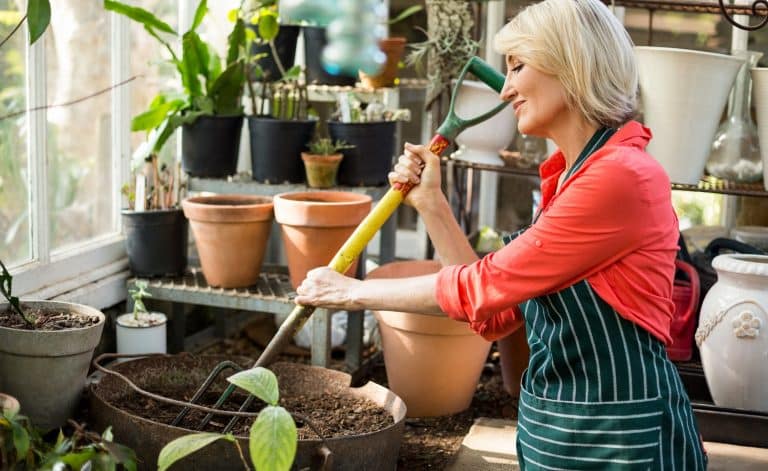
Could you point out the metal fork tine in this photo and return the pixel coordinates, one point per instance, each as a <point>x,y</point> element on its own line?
<point>204,387</point>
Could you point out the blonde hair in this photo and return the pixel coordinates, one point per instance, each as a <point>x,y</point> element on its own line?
<point>586,47</point>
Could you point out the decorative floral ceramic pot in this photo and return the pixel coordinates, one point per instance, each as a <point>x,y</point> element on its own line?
<point>733,332</point>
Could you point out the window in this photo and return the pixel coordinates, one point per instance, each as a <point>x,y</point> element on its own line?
<point>65,142</point>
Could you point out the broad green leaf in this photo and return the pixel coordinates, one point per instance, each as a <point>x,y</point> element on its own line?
<point>202,55</point>
<point>292,74</point>
<point>233,14</point>
<point>268,26</point>
<point>273,440</point>
<point>250,35</point>
<point>140,15</point>
<point>76,460</point>
<point>236,41</point>
<point>190,64</point>
<point>185,446</point>
<point>227,91</point>
<point>202,9</point>
<point>154,116</point>
<point>38,18</point>
<point>214,67</point>
<point>165,131</point>
<point>20,439</point>
<point>258,381</point>
<point>203,104</point>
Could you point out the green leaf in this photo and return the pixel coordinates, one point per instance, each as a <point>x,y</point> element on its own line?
<point>76,460</point>
<point>202,54</point>
<point>227,91</point>
<point>214,67</point>
<point>140,15</point>
<point>121,454</point>
<point>154,116</point>
<point>20,439</point>
<point>236,41</point>
<point>273,440</point>
<point>202,9</point>
<point>38,18</point>
<point>190,64</point>
<point>291,74</point>
<point>268,26</point>
<point>107,435</point>
<point>258,381</point>
<point>185,446</point>
<point>406,13</point>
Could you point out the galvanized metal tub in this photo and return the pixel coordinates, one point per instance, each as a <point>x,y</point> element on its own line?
<point>371,451</point>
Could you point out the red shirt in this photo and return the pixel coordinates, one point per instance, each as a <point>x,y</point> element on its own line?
<point>612,223</point>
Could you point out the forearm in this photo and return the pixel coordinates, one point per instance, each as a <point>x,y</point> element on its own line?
<point>415,294</point>
<point>449,240</point>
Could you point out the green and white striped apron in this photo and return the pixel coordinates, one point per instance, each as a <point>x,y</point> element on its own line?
<point>599,392</point>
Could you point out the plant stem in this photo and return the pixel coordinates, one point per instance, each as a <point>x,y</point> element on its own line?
<point>276,57</point>
<point>7,281</point>
<point>21,22</point>
<point>242,457</point>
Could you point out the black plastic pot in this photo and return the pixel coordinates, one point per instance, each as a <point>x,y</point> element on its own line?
<point>314,42</point>
<point>369,162</point>
<point>285,44</point>
<point>276,147</point>
<point>156,241</point>
<point>210,146</point>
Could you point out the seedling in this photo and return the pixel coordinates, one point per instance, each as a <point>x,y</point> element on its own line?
<point>6,283</point>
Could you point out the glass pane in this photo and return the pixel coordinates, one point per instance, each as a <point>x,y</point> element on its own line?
<point>150,63</point>
<point>80,189</point>
<point>14,183</point>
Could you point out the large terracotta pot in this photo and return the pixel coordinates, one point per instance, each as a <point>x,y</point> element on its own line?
<point>673,87</point>
<point>732,333</point>
<point>394,48</point>
<point>433,362</point>
<point>231,233</point>
<point>315,224</point>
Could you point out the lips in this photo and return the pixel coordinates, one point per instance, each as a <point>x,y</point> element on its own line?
<point>516,105</point>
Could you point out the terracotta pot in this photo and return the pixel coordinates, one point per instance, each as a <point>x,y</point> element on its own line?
<point>321,170</point>
<point>231,233</point>
<point>315,224</point>
<point>514,354</point>
<point>433,362</point>
<point>387,77</point>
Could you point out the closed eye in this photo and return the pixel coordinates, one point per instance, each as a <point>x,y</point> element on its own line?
<point>517,68</point>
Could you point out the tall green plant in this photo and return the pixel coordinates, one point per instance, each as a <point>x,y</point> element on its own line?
<point>273,438</point>
<point>210,85</point>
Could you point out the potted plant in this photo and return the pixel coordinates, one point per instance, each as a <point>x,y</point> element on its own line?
<point>273,44</point>
<point>322,161</point>
<point>371,128</point>
<point>45,351</point>
<point>155,227</point>
<point>209,107</point>
<point>280,126</point>
<point>141,331</point>
<point>393,47</point>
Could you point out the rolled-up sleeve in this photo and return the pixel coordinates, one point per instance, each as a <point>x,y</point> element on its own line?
<point>596,220</point>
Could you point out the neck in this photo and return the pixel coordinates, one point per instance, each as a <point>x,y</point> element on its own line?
<point>571,137</point>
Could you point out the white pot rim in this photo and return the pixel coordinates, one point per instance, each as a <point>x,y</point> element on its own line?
<point>692,52</point>
<point>159,317</point>
<point>744,264</point>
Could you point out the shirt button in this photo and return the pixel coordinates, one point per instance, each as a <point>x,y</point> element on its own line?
<point>538,243</point>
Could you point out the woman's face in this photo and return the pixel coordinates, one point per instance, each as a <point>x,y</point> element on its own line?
<point>537,98</point>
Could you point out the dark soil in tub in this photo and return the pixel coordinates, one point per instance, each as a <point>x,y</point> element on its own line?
<point>46,319</point>
<point>332,411</point>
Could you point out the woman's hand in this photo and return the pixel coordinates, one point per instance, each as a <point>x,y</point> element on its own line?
<point>422,168</point>
<point>327,288</point>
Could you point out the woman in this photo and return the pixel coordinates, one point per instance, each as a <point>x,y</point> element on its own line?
<point>591,278</point>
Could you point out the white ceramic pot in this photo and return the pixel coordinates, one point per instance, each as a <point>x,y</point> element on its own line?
<point>683,95</point>
<point>481,143</point>
<point>147,335</point>
<point>733,332</point>
<point>760,100</point>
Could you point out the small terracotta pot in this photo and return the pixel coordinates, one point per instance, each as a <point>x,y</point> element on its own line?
<point>433,362</point>
<point>321,170</point>
<point>315,224</point>
<point>231,233</point>
<point>387,77</point>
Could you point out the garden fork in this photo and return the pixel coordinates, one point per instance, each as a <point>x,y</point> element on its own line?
<point>452,125</point>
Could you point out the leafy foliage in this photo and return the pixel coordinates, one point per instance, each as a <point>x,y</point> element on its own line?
<point>138,293</point>
<point>210,87</point>
<point>38,18</point>
<point>273,438</point>
<point>23,447</point>
<point>327,146</point>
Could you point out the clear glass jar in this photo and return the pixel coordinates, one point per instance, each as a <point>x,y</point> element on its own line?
<point>735,154</point>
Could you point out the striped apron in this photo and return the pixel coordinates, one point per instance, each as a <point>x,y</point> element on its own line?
<point>599,391</point>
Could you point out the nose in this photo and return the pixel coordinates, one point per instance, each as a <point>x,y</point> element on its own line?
<point>508,91</point>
